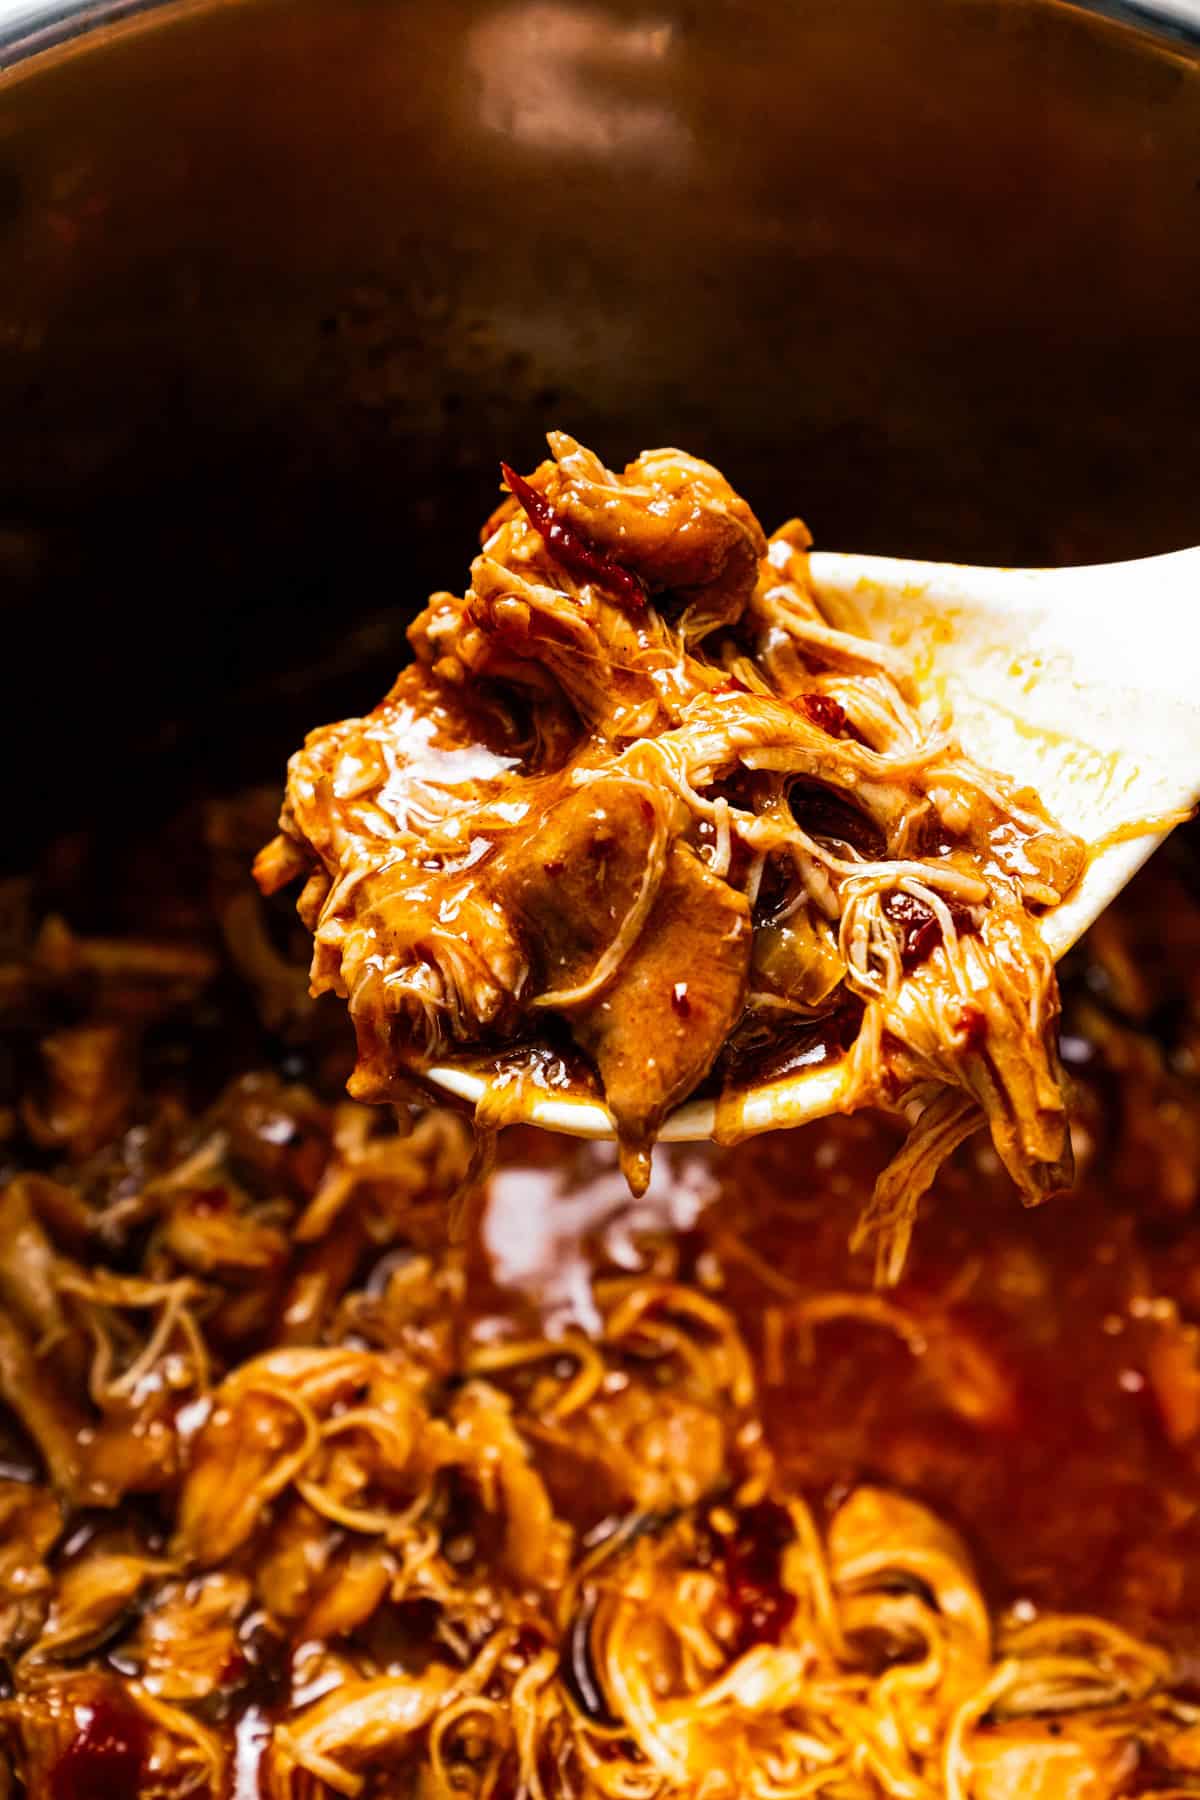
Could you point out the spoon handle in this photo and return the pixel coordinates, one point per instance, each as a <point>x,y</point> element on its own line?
<point>1080,650</point>
<point>1081,683</point>
<point>1136,623</point>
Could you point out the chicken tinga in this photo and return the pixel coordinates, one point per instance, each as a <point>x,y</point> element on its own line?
<point>610,1500</point>
<point>639,800</point>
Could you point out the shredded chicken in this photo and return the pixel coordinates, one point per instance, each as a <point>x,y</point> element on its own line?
<point>300,1498</point>
<point>637,782</point>
<point>577,1569</point>
<point>707,1639</point>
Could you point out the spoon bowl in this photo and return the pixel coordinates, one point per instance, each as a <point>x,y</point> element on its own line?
<point>1082,684</point>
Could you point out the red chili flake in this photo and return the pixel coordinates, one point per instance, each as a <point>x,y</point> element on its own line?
<point>679,999</point>
<point>830,715</point>
<point>568,544</point>
<point>920,932</point>
<point>826,712</point>
<point>753,1563</point>
<point>106,1757</point>
<point>974,1025</point>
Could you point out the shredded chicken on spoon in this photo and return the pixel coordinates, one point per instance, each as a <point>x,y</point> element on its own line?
<point>637,796</point>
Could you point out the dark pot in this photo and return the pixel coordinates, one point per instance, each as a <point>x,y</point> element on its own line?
<point>282,280</point>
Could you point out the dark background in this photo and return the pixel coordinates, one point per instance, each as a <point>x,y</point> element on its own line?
<point>280,282</point>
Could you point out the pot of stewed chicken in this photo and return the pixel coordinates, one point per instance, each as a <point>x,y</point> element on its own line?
<point>350,1445</point>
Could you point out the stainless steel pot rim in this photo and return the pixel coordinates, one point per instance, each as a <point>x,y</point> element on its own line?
<point>1174,18</point>
<point>31,27</point>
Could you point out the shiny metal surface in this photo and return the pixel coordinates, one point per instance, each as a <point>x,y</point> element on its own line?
<point>280,280</point>
<point>29,27</point>
<point>1180,18</point>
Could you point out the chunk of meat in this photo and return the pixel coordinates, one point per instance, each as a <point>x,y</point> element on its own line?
<point>660,1027</point>
<point>82,1737</point>
<point>206,1231</point>
<point>516,625</point>
<point>28,1263</point>
<point>30,1521</point>
<point>48,1415</point>
<point>634,941</point>
<point>418,949</point>
<point>878,1538</point>
<point>248,1451</point>
<point>571,547</point>
<point>977,1036</point>
<point>536,1544</point>
<point>1034,1759</point>
<point>293,1562</point>
<point>89,1088</point>
<point>636,714</point>
<point>93,1594</point>
<point>670,524</point>
<point>262,1431</point>
<point>88,1735</point>
<point>358,1581</point>
<point>186,1645</point>
<point>361,1725</point>
<point>634,1452</point>
<point>582,885</point>
<point>347,1433</point>
<point>671,518</point>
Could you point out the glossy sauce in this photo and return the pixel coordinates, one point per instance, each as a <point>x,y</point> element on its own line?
<point>1013,1390</point>
<point>1032,1378</point>
<point>106,1757</point>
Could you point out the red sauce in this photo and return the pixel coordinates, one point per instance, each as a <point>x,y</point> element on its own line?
<point>825,814</point>
<point>105,1759</point>
<point>774,1052</point>
<point>569,546</point>
<point>753,1558</point>
<point>920,931</point>
<point>974,1025</point>
<point>829,714</point>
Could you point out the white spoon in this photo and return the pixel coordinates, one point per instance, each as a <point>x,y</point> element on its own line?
<point>1083,684</point>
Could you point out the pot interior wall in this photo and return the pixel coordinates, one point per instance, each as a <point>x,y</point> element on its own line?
<point>280,282</point>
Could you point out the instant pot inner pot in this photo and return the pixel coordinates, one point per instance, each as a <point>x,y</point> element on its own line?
<point>281,282</point>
